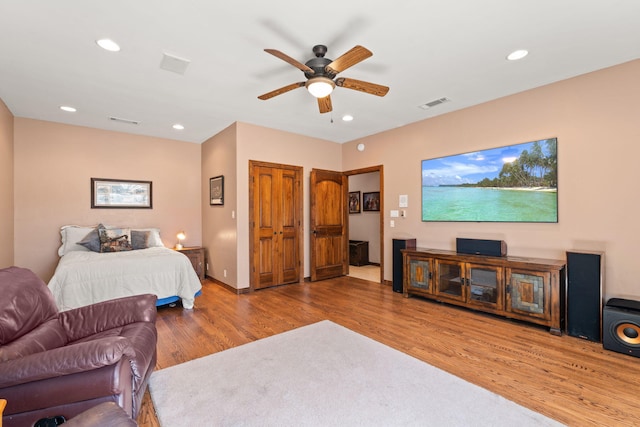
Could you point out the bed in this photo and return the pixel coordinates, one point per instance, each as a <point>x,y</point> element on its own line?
<point>85,274</point>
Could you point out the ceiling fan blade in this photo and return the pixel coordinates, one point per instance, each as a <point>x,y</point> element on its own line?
<point>324,104</point>
<point>299,65</point>
<point>366,87</point>
<point>348,59</point>
<point>280,91</point>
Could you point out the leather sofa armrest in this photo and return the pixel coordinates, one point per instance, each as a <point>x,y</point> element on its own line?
<point>65,360</point>
<point>89,320</point>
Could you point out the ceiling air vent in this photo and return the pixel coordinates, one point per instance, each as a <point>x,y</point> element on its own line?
<point>174,63</point>
<point>434,103</point>
<point>127,121</point>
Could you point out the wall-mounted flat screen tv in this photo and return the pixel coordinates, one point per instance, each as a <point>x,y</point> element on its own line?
<point>517,183</point>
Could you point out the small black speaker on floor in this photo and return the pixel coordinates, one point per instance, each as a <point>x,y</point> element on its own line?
<point>621,326</point>
<point>481,247</point>
<point>585,272</point>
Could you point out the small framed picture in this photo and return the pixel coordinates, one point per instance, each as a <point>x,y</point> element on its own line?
<point>371,201</point>
<point>216,190</point>
<point>354,202</point>
<point>120,194</point>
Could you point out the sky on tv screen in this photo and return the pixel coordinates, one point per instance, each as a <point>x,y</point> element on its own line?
<point>470,168</point>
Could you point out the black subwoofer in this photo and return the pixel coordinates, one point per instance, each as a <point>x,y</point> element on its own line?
<point>621,326</point>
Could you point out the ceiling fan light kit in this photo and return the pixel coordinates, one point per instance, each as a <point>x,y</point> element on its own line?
<point>320,86</point>
<point>321,72</point>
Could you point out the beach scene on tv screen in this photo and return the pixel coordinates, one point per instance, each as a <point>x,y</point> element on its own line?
<point>516,183</point>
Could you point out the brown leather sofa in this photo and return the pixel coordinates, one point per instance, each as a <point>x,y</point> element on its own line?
<point>63,363</point>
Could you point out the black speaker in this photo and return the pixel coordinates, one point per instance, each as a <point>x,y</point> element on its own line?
<point>585,272</point>
<point>398,246</point>
<point>621,326</point>
<point>481,247</point>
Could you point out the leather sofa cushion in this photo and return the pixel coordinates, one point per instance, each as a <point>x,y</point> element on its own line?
<point>29,303</point>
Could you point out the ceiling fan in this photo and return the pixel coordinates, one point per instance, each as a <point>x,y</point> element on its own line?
<point>321,75</point>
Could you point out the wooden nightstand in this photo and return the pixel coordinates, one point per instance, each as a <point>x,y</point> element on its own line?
<point>196,255</point>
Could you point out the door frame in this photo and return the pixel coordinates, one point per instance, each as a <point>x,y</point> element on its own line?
<point>370,169</point>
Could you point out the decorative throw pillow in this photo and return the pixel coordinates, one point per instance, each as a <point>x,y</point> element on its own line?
<point>154,237</point>
<point>140,239</point>
<point>115,240</point>
<point>92,240</point>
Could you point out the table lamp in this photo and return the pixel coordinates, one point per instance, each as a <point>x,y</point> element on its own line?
<point>181,236</point>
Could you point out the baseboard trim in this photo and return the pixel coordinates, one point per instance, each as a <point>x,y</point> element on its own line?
<point>228,287</point>
<point>248,290</point>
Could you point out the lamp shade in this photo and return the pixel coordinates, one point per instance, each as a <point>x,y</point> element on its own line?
<point>320,86</point>
<point>181,236</point>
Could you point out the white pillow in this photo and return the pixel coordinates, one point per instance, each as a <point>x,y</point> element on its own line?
<point>70,235</point>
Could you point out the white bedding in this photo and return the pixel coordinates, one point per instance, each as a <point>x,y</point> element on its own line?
<point>82,278</point>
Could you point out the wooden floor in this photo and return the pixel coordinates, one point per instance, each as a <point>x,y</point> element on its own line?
<point>574,381</point>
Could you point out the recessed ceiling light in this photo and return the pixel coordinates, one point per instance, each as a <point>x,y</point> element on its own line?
<point>517,54</point>
<point>347,117</point>
<point>68,109</point>
<point>108,44</point>
<point>178,126</point>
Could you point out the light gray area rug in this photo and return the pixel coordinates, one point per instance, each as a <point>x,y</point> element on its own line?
<point>324,375</point>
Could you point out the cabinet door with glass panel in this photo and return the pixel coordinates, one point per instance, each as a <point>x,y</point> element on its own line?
<point>449,280</point>
<point>419,274</point>
<point>529,293</point>
<point>485,285</point>
<point>474,284</point>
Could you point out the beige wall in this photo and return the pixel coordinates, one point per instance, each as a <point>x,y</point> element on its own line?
<point>270,145</point>
<point>219,224</point>
<point>54,164</point>
<point>226,228</point>
<point>594,116</point>
<point>6,187</point>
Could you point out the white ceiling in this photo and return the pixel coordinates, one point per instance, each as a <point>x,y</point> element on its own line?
<point>423,50</point>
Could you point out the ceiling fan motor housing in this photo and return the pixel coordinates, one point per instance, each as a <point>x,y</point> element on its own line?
<point>318,65</point>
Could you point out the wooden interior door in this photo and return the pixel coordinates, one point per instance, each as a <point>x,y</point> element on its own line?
<point>329,236</point>
<point>276,224</point>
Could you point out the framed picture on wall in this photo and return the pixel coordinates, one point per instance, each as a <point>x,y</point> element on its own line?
<point>354,202</point>
<point>120,194</point>
<point>371,201</point>
<point>216,190</point>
